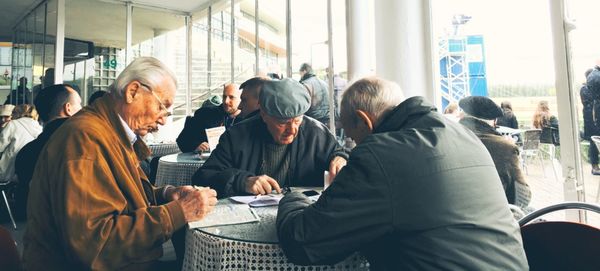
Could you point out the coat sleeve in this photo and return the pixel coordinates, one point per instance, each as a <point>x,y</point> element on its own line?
<point>352,212</point>
<point>220,172</point>
<point>193,132</point>
<point>101,230</point>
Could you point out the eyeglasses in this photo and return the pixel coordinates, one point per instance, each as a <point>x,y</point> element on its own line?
<point>162,106</point>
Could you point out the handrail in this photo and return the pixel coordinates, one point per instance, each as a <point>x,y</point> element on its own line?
<point>211,89</point>
<point>557,207</point>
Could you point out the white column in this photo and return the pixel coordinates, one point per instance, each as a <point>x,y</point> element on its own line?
<point>566,100</point>
<point>188,64</point>
<point>403,45</point>
<point>128,33</point>
<point>59,52</point>
<point>359,39</point>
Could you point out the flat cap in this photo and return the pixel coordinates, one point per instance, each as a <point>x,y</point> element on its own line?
<point>480,107</point>
<point>284,99</point>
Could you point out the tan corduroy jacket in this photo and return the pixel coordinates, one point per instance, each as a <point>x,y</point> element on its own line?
<point>87,207</point>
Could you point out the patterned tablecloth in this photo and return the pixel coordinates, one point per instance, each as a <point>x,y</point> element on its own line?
<point>177,169</point>
<point>162,149</point>
<point>250,246</point>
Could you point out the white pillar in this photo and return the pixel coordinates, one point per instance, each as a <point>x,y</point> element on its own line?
<point>59,47</point>
<point>567,117</point>
<point>403,45</point>
<point>359,39</point>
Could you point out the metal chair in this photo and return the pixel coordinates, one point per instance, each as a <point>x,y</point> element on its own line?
<point>531,148</point>
<point>596,140</point>
<point>561,245</point>
<point>5,186</point>
<point>9,255</point>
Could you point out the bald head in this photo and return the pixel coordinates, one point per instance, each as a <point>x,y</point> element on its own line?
<point>231,98</point>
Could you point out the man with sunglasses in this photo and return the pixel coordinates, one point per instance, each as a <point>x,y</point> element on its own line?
<point>90,204</point>
<point>280,148</point>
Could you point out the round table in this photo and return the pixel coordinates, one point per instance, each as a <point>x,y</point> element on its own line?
<point>250,246</point>
<point>177,169</point>
<point>162,149</point>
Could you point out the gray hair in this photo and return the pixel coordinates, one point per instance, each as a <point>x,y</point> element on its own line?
<point>147,70</point>
<point>373,95</point>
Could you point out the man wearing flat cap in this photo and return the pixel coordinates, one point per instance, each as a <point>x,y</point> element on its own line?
<point>278,148</point>
<point>480,117</point>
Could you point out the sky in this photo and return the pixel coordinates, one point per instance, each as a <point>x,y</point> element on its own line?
<point>518,37</point>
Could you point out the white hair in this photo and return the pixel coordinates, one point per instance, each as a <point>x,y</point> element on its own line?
<point>373,95</point>
<point>147,70</point>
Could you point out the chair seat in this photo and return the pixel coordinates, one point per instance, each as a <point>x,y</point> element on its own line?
<point>561,245</point>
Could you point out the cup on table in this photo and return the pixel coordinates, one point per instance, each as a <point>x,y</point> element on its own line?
<point>326,179</point>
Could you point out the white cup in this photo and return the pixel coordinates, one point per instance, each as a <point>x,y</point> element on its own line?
<point>326,180</point>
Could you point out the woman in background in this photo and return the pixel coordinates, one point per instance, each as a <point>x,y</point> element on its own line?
<point>22,129</point>
<point>548,123</point>
<point>508,118</point>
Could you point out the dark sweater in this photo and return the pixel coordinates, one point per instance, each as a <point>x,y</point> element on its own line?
<point>25,165</point>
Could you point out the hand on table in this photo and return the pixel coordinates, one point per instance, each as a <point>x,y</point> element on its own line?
<point>203,147</point>
<point>337,163</point>
<point>195,202</point>
<point>261,185</point>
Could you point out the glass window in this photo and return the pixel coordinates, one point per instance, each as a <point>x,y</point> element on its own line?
<point>245,58</point>
<point>584,57</point>
<point>484,52</point>
<point>309,36</point>
<point>272,38</point>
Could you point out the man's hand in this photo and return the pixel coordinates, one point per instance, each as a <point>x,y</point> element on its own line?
<point>261,185</point>
<point>203,147</point>
<point>195,202</point>
<point>337,163</point>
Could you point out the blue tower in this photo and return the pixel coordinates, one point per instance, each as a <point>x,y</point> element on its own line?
<point>462,68</point>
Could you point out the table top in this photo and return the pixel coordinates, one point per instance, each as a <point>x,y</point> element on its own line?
<point>263,231</point>
<point>508,131</point>
<point>186,157</point>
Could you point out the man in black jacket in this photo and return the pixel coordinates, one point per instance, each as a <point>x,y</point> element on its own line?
<point>279,148</point>
<point>55,104</point>
<point>193,136</point>
<point>249,105</point>
<point>419,192</point>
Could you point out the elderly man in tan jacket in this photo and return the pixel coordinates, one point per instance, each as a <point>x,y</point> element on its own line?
<point>90,204</point>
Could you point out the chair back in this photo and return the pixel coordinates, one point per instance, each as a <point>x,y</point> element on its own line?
<point>531,139</point>
<point>596,140</point>
<point>9,255</point>
<point>561,245</point>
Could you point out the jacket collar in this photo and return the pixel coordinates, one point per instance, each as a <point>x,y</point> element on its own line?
<point>406,112</point>
<point>478,126</point>
<point>104,108</point>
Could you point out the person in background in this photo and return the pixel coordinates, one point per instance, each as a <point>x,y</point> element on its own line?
<point>249,105</point>
<point>411,196</point>
<point>90,206</point>
<point>6,111</point>
<point>281,148</point>
<point>55,104</point>
<point>508,118</point>
<point>480,115</point>
<point>213,101</point>
<point>22,129</point>
<point>96,95</point>
<point>451,112</point>
<point>319,94</point>
<point>20,94</point>
<point>590,99</point>
<point>548,123</point>
<point>193,136</point>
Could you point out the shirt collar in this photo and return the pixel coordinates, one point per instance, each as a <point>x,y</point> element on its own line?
<point>130,134</point>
